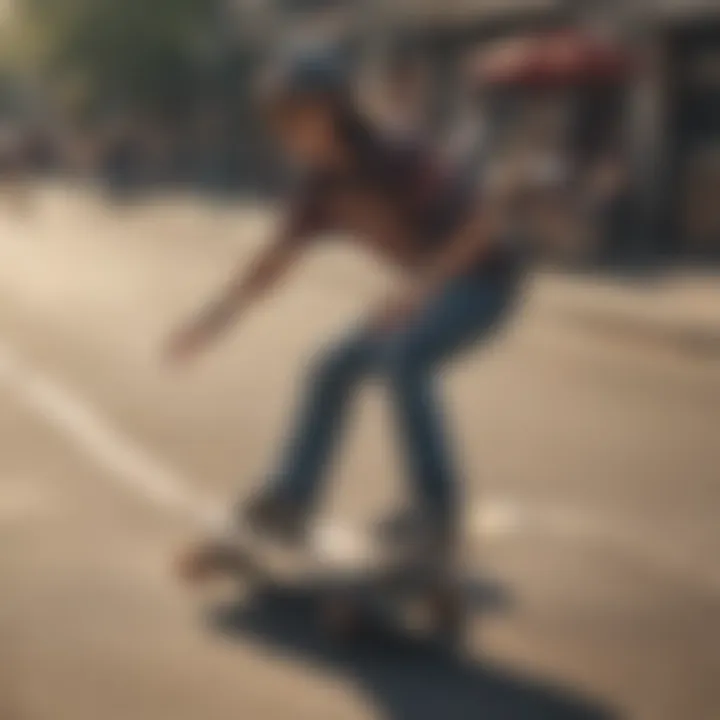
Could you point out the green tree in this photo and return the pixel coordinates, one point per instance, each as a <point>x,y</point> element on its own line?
<point>147,54</point>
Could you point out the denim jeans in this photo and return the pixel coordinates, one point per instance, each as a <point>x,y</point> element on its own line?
<point>408,360</point>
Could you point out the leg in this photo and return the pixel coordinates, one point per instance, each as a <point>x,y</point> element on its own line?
<point>462,314</point>
<point>422,433</point>
<point>319,424</point>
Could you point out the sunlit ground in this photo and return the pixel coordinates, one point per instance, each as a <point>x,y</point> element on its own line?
<point>589,438</point>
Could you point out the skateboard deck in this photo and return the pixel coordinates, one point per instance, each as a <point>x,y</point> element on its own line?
<point>355,578</point>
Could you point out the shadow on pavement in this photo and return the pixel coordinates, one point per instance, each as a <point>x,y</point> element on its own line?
<point>404,678</point>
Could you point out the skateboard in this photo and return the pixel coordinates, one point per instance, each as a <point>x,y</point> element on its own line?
<point>356,581</point>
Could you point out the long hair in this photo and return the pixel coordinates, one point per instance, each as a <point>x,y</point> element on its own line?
<point>365,142</point>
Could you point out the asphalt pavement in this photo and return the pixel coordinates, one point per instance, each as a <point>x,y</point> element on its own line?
<point>591,460</point>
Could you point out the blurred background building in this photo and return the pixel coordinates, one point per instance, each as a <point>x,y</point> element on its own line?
<point>150,95</point>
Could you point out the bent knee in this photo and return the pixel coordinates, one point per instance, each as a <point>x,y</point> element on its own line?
<point>336,367</point>
<point>403,363</point>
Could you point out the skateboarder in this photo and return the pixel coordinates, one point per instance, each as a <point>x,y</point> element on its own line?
<point>459,279</point>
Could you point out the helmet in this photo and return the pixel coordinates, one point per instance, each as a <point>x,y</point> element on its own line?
<point>317,72</point>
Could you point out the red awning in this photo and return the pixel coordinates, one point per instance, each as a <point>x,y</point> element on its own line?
<point>560,58</point>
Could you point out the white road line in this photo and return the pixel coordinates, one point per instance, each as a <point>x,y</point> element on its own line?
<point>124,459</point>
<point>144,475</point>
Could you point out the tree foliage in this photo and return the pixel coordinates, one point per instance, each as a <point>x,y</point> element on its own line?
<point>138,53</point>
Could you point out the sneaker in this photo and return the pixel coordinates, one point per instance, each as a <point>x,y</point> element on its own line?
<point>273,517</point>
<point>417,532</point>
<point>401,527</point>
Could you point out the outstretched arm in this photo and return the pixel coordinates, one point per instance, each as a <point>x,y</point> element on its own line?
<point>243,290</point>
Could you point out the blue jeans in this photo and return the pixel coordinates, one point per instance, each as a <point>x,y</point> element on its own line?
<point>407,359</point>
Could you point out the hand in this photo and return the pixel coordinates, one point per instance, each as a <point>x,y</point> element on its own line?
<point>189,340</point>
<point>184,344</point>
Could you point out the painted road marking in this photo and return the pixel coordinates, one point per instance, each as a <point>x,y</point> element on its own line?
<point>127,463</point>
<point>138,471</point>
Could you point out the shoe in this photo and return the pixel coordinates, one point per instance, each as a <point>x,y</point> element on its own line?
<point>402,527</point>
<point>417,532</point>
<point>272,516</point>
